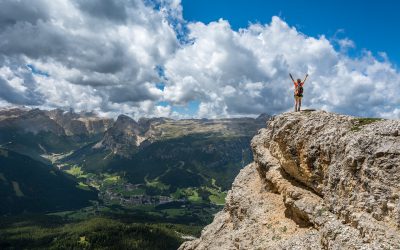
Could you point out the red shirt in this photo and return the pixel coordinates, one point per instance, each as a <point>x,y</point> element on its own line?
<point>295,87</point>
<point>295,84</point>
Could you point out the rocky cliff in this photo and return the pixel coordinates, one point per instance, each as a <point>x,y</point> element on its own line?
<point>318,181</point>
<point>127,136</point>
<point>56,121</point>
<point>29,121</point>
<point>83,123</point>
<point>123,138</point>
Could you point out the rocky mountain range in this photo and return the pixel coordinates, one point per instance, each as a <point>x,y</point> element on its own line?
<point>83,123</point>
<point>35,132</point>
<point>29,121</point>
<point>121,137</point>
<point>318,181</point>
<point>172,158</point>
<point>56,121</point>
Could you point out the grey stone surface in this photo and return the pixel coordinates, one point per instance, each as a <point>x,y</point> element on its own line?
<point>318,181</point>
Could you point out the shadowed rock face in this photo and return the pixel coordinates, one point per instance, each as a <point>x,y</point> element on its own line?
<point>56,121</point>
<point>123,138</point>
<point>32,121</point>
<point>80,123</point>
<point>126,136</point>
<point>319,181</point>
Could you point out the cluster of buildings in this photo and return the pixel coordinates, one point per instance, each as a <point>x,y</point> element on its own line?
<point>113,195</point>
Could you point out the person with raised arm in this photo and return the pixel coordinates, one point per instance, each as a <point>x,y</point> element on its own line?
<point>298,92</point>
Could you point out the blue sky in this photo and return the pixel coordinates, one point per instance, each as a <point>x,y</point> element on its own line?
<point>371,24</point>
<point>187,58</point>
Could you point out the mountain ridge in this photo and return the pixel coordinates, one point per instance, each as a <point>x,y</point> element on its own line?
<point>36,132</point>
<point>151,160</point>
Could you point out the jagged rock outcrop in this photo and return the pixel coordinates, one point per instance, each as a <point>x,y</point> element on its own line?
<point>29,120</point>
<point>318,181</point>
<point>56,121</point>
<point>83,123</point>
<point>123,138</point>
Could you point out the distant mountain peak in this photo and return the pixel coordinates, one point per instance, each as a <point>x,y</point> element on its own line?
<point>123,117</point>
<point>263,117</point>
<point>82,123</point>
<point>123,138</point>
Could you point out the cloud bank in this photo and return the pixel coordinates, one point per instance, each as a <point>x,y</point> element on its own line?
<point>112,57</point>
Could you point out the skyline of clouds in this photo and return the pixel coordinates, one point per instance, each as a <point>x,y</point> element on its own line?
<point>111,57</point>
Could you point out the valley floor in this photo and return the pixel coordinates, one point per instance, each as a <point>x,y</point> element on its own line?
<point>142,213</point>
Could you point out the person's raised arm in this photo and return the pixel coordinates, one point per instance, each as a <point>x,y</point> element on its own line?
<point>291,77</point>
<point>305,78</point>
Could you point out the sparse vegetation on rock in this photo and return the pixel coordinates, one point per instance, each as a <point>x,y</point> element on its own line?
<point>329,187</point>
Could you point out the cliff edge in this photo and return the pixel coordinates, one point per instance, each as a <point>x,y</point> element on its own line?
<point>318,181</point>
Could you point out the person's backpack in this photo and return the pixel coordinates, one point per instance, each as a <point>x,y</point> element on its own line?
<point>299,90</point>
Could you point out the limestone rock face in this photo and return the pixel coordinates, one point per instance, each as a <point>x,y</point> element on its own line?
<point>84,123</point>
<point>318,181</point>
<point>56,121</point>
<point>123,138</point>
<point>29,120</point>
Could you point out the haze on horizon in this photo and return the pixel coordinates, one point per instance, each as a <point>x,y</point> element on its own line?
<point>143,58</point>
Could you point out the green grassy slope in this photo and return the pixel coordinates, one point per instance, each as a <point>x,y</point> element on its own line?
<point>27,185</point>
<point>36,144</point>
<point>187,161</point>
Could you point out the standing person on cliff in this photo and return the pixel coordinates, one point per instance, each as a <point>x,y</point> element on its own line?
<point>298,91</point>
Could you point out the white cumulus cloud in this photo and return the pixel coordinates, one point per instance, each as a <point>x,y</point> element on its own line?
<point>97,55</point>
<point>246,72</point>
<point>110,56</point>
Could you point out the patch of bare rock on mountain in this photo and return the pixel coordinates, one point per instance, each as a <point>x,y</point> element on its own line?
<point>83,123</point>
<point>318,181</point>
